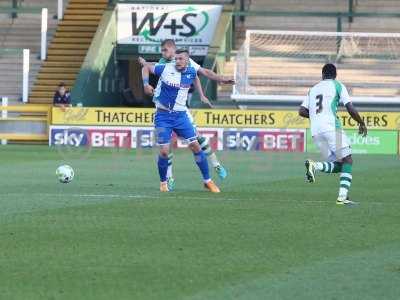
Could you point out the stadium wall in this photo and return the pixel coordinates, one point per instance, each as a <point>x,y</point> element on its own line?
<point>246,130</point>
<point>97,83</point>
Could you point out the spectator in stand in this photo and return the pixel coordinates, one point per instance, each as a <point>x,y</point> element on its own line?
<point>62,97</point>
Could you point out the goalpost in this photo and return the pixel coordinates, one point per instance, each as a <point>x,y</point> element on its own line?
<point>280,66</point>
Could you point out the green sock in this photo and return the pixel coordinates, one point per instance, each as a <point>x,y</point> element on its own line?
<point>204,145</point>
<point>329,167</point>
<point>345,180</point>
<point>169,170</point>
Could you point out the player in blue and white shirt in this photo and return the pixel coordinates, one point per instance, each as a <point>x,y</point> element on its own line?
<point>175,80</point>
<point>168,49</point>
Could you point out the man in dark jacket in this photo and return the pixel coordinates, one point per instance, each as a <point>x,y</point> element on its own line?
<point>62,97</point>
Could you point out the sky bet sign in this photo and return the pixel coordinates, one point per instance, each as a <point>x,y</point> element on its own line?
<point>278,140</point>
<point>148,24</point>
<point>73,137</point>
<point>113,137</point>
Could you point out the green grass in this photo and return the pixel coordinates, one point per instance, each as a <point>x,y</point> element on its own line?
<point>111,235</point>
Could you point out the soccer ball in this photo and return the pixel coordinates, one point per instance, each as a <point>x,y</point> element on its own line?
<point>65,173</point>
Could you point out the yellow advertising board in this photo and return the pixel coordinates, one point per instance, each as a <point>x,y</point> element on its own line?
<point>99,116</point>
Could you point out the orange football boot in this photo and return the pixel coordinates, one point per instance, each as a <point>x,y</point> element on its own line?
<point>212,187</point>
<point>164,187</point>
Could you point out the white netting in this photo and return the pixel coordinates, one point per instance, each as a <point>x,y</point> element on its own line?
<point>274,63</point>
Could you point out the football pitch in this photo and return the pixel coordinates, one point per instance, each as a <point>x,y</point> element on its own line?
<point>110,234</point>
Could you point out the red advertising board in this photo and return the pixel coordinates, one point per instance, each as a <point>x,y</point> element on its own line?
<point>119,138</point>
<point>284,141</point>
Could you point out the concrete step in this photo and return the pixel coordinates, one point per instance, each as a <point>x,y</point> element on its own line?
<point>76,28</point>
<point>64,70</point>
<point>34,22</point>
<point>13,77</point>
<point>27,38</point>
<point>83,11</point>
<point>296,5</point>
<point>83,23</point>
<point>6,92</point>
<point>299,8</point>
<point>46,95</point>
<point>16,44</point>
<point>72,40</point>
<point>85,6</point>
<point>47,88</point>
<point>59,76</point>
<point>81,17</point>
<point>44,88</point>
<point>11,87</point>
<point>67,52</point>
<point>68,46</point>
<point>14,73</point>
<point>310,81</point>
<point>76,64</point>
<point>7,68</point>
<point>64,58</point>
<point>54,82</point>
<point>103,2</point>
<point>40,100</point>
<point>264,90</point>
<point>67,34</point>
<point>381,6</point>
<point>15,98</point>
<point>13,61</point>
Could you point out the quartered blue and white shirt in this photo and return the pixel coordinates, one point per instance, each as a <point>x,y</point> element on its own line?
<point>173,87</point>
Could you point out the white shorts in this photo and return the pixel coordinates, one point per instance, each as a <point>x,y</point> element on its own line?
<point>334,145</point>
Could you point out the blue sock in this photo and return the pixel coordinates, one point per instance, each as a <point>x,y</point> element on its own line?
<point>162,168</point>
<point>201,161</point>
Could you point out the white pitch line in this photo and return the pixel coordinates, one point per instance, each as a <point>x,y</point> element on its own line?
<point>176,196</point>
<point>171,196</point>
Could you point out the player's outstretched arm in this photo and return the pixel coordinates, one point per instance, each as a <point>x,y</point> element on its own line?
<point>215,77</point>
<point>146,67</point>
<point>304,112</point>
<point>362,129</point>
<point>143,62</point>
<point>199,88</point>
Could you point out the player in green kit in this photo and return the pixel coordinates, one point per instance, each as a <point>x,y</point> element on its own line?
<point>168,48</point>
<point>320,107</point>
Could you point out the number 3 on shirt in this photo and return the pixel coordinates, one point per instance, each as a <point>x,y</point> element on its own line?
<point>319,103</point>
